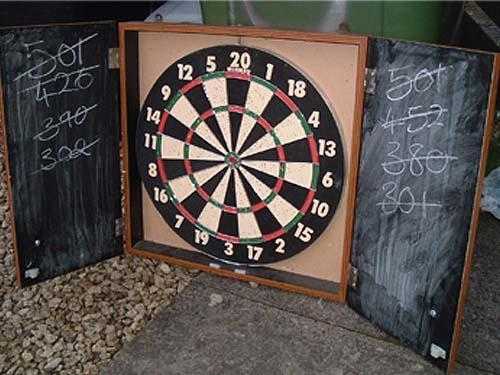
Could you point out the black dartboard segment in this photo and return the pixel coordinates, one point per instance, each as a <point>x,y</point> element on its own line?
<point>240,154</point>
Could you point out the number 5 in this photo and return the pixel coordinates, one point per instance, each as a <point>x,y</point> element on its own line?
<point>211,65</point>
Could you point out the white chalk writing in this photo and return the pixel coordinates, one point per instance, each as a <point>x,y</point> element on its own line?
<point>414,159</point>
<point>52,79</point>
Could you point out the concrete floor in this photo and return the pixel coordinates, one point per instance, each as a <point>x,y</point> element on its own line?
<point>219,326</point>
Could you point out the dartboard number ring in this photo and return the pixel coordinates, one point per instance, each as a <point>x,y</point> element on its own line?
<point>240,154</point>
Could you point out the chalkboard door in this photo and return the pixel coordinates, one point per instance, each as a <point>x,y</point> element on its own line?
<point>422,155</point>
<point>61,126</point>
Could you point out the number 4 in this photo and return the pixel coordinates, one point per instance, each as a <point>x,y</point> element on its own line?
<point>314,119</point>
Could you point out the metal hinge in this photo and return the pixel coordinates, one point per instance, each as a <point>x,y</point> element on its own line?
<point>353,277</point>
<point>113,58</point>
<point>118,227</point>
<point>370,80</point>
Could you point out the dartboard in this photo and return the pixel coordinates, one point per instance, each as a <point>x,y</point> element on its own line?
<point>240,154</point>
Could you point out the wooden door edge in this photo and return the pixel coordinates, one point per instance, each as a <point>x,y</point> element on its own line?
<point>354,169</point>
<point>8,182</point>
<point>464,289</point>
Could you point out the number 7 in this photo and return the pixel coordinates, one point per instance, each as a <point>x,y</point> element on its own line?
<point>179,221</point>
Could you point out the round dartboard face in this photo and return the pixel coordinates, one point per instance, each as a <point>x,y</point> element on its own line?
<point>240,154</point>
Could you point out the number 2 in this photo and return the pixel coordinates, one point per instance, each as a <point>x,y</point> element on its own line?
<point>281,245</point>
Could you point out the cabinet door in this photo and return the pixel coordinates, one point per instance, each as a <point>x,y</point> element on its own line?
<point>61,132</point>
<point>428,114</point>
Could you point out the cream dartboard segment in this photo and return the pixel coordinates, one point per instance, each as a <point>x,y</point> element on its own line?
<point>240,154</point>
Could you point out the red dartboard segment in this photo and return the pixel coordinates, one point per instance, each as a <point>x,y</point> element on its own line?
<point>187,167</point>
<point>189,86</point>
<point>257,207</point>
<point>308,201</point>
<point>281,153</point>
<point>185,213</point>
<point>227,238</point>
<point>313,149</point>
<point>278,186</point>
<point>163,122</point>
<point>207,114</point>
<point>266,125</point>
<point>161,170</point>
<point>230,209</point>
<point>238,75</point>
<point>286,99</point>
<point>236,109</point>
<point>273,235</point>
<point>189,136</point>
<point>202,193</point>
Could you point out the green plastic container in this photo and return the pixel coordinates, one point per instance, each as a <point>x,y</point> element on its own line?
<point>409,20</point>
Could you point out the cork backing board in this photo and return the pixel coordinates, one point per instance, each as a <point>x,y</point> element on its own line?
<point>337,83</point>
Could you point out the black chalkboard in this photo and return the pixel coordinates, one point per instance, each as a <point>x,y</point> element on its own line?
<point>61,121</point>
<point>425,115</point>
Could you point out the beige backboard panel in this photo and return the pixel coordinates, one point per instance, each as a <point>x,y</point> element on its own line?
<point>332,68</point>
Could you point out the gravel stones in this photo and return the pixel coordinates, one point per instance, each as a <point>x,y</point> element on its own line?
<point>215,299</point>
<point>71,323</point>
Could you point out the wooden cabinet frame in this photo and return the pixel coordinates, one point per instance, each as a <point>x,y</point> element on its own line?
<point>135,245</point>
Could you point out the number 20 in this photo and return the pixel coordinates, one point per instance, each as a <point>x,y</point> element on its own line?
<point>240,61</point>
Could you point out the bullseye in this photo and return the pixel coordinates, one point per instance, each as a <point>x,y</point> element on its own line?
<point>232,160</point>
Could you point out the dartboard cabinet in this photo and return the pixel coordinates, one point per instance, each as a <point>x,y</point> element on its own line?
<point>246,144</point>
<point>343,167</point>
